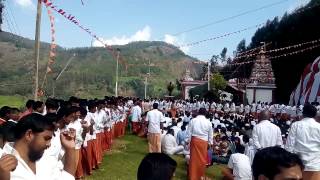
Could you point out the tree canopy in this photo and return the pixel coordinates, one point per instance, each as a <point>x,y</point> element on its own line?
<point>296,27</point>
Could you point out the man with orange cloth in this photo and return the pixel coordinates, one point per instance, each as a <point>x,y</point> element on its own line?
<point>200,135</point>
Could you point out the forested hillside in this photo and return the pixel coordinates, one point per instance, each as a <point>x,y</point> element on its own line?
<point>92,70</point>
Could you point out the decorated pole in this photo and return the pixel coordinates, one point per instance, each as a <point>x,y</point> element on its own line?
<point>37,50</point>
<point>117,72</point>
<point>209,69</point>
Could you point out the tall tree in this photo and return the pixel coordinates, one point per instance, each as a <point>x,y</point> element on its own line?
<point>293,28</point>
<point>241,46</point>
<point>170,88</point>
<point>217,82</point>
<point>223,54</point>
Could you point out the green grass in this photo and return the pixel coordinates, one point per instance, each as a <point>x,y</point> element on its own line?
<point>122,162</point>
<point>12,101</point>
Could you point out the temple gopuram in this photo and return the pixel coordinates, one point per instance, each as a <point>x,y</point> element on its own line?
<point>261,84</point>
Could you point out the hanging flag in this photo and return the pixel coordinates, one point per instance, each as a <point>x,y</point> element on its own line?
<point>308,89</point>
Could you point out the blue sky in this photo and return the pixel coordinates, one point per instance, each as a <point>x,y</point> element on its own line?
<point>122,21</point>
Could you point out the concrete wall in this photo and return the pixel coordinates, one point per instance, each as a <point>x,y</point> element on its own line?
<point>262,95</point>
<point>249,93</point>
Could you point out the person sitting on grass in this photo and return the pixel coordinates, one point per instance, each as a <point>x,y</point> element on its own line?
<point>239,166</point>
<point>169,144</point>
<point>156,166</point>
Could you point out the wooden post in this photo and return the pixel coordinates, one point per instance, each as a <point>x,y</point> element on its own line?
<point>37,50</point>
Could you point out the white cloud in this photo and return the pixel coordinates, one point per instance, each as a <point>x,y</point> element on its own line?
<point>141,35</point>
<point>297,4</point>
<point>177,42</point>
<point>26,4</point>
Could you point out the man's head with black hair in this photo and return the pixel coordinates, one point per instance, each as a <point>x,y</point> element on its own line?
<point>240,148</point>
<point>4,112</point>
<point>14,114</point>
<point>155,105</point>
<point>83,112</point>
<point>202,111</point>
<point>51,105</point>
<point>92,107</point>
<point>29,104</point>
<point>171,131</point>
<point>38,106</point>
<point>275,163</point>
<point>183,127</point>
<point>74,101</point>
<point>156,166</point>
<point>53,117</point>
<point>7,132</point>
<point>33,134</point>
<point>174,123</point>
<point>309,111</point>
<point>67,115</point>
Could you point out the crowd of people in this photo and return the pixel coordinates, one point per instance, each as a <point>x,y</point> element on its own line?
<point>60,139</point>
<point>206,133</point>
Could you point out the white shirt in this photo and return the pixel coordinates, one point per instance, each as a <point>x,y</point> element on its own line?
<point>92,116</point>
<point>201,128</point>
<point>215,122</point>
<point>100,120</point>
<point>168,144</point>
<point>154,117</point>
<point>240,165</point>
<point>55,148</point>
<point>176,129</point>
<point>136,114</point>
<point>304,139</point>
<point>46,168</point>
<point>78,127</point>
<point>247,109</point>
<point>250,150</point>
<point>88,136</point>
<point>168,121</point>
<point>265,134</point>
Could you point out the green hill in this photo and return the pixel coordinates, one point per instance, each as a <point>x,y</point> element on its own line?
<point>92,71</point>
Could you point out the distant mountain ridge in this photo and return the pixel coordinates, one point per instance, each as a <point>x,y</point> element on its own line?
<point>92,71</point>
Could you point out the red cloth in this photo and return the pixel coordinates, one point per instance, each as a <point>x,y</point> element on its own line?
<point>135,127</point>
<point>99,147</point>
<point>94,154</point>
<point>109,139</point>
<point>118,130</point>
<point>80,167</point>
<point>87,158</point>
<point>123,128</point>
<point>198,158</point>
<point>112,133</point>
<point>105,146</point>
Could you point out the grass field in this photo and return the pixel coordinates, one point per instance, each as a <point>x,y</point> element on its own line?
<point>122,162</point>
<point>12,101</point>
